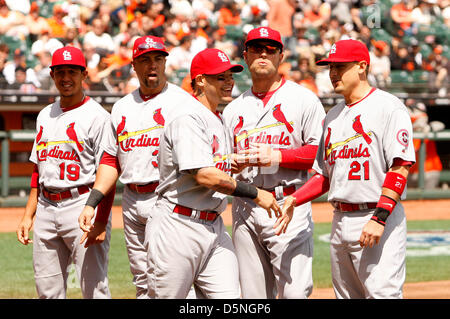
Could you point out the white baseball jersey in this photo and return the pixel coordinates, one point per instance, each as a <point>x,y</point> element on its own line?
<point>360,143</point>
<point>273,266</point>
<point>136,129</point>
<point>134,138</point>
<point>67,152</point>
<point>292,118</point>
<point>67,146</point>
<point>196,125</point>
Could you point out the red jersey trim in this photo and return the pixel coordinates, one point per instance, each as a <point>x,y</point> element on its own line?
<point>70,108</point>
<point>145,98</point>
<point>265,96</point>
<point>353,104</point>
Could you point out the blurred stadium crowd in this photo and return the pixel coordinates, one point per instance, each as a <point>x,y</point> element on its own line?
<point>409,40</point>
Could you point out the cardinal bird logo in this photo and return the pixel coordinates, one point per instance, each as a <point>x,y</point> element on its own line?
<point>215,144</point>
<point>238,126</point>
<point>157,116</point>
<point>327,142</point>
<point>121,125</point>
<point>357,126</point>
<point>73,136</point>
<point>39,134</point>
<point>279,116</point>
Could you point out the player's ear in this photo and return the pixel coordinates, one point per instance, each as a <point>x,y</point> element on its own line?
<point>199,81</point>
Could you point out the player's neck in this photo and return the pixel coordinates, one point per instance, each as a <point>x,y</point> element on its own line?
<point>357,93</point>
<point>210,105</point>
<point>67,102</point>
<point>262,85</point>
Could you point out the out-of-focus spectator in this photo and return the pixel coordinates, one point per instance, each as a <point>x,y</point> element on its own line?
<point>402,60</point>
<point>120,62</point>
<point>71,38</point>
<point>99,39</point>
<point>316,13</point>
<point>42,70</point>
<point>22,6</point>
<point>279,18</point>
<point>21,83</point>
<point>423,14</point>
<point>57,25</point>
<point>12,22</point>
<point>401,14</point>
<point>35,23</point>
<point>224,44</point>
<point>254,11</point>
<point>45,43</point>
<point>439,66</point>
<point>4,52</point>
<point>229,14</point>
<point>432,164</point>
<point>180,57</point>
<point>380,65</point>
<point>19,60</point>
<point>92,57</point>
<point>416,52</point>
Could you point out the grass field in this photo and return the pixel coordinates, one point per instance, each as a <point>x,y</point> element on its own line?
<point>16,270</point>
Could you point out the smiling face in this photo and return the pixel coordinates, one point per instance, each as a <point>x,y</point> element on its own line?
<point>150,70</point>
<point>218,87</point>
<point>68,80</point>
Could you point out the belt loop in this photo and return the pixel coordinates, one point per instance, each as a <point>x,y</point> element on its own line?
<point>363,206</point>
<point>74,191</point>
<point>279,194</point>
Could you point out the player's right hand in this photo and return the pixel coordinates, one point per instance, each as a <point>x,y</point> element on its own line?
<point>23,231</point>
<point>266,200</point>
<point>84,220</point>
<point>96,235</point>
<point>287,211</point>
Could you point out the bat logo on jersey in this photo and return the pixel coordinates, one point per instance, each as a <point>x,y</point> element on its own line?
<point>357,126</point>
<point>73,136</point>
<point>279,116</point>
<point>237,129</point>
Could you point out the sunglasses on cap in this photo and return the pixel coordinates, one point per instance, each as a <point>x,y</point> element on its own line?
<point>259,48</point>
<point>150,45</point>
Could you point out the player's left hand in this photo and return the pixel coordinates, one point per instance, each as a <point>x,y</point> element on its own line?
<point>260,155</point>
<point>96,235</point>
<point>371,234</point>
<point>84,220</point>
<point>287,211</point>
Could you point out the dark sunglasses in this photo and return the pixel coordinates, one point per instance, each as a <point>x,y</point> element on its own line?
<point>259,48</point>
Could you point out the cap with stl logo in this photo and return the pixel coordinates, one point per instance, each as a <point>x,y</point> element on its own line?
<point>148,44</point>
<point>68,56</point>
<point>264,33</point>
<point>212,61</point>
<point>347,51</point>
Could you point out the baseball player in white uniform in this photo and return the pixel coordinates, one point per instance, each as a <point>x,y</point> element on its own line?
<point>276,127</point>
<point>186,239</point>
<point>363,160</point>
<point>66,153</point>
<point>131,149</point>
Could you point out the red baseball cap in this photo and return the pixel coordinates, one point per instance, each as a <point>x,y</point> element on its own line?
<point>264,33</point>
<point>212,61</point>
<point>68,56</point>
<point>148,43</point>
<point>347,51</point>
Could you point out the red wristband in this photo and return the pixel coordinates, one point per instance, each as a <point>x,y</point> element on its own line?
<point>387,203</point>
<point>395,181</point>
